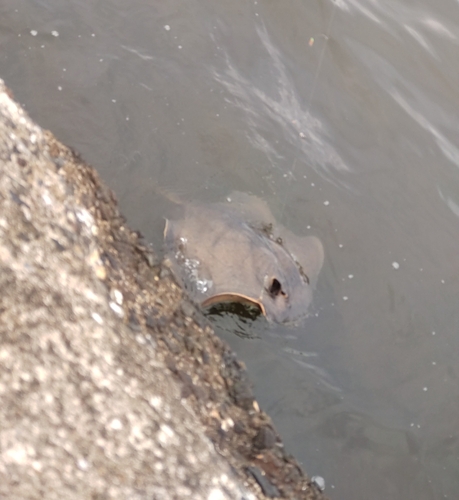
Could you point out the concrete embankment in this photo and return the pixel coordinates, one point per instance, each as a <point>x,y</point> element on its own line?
<point>112,385</point>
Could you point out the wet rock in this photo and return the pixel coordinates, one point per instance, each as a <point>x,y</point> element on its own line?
<point>173,347</point>
<point>242,393</point>
<point>268,489</point>
<point>239,427</point>
<point>190,344</point>
<point>205,357</point>
<point>319,481</point>
<point>187,309</point>
<point>164,273</point>
<point>265,439</point>
<point>134,322</point>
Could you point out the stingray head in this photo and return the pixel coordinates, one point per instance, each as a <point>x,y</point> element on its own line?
<point>285,298</point>
<point>288,285</point>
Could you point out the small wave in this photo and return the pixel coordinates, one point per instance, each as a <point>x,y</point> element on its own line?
<point>285,109</point>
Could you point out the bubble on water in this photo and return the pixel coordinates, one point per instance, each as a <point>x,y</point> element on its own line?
<point>167,27</point>
<point>345,298</point>
<point>326,203</point>
<point>55,33</point>
<point>34,32</point>
<point>192,269</point>
<point>395,265</point>
<point>350,276</point>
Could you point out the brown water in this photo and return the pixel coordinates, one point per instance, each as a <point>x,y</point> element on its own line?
<point>351,136</point>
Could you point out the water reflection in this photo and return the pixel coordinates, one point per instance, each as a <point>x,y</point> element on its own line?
<point>272,106</point>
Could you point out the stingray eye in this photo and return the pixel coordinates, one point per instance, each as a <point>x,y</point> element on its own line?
<point>275,288</point>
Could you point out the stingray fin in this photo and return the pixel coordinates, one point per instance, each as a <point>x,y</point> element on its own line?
<point>253,209</point>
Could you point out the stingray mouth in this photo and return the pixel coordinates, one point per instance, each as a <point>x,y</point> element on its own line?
<point>234,297</point>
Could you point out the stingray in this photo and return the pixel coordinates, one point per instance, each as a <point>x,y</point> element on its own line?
<point>236,252</point>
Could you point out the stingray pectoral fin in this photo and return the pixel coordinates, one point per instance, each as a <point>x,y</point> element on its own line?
<point>250,207</point>
<point>233,297</point>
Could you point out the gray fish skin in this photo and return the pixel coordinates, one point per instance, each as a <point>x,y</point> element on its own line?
<point>236,252</point>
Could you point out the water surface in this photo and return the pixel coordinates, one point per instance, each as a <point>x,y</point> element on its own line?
<point>343,117</point>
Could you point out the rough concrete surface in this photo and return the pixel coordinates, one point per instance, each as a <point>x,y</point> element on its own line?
<point>112,385</point>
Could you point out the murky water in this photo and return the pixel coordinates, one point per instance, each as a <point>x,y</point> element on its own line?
<point>343,116</point>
